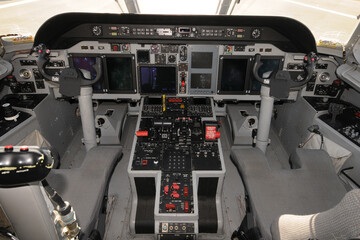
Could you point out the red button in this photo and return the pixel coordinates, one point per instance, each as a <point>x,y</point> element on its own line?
<point>175,186</point>
<point>175,194</point>
<point>170,206</point>
<point>217,135</point>
<point>24,149</point>
<point>142,133</point>
<point>183,83</point>
<point>9,148</point>
<point>166,190</point>
<point>144,162</point>
<point>186,191</point>
<point>115,48</point>
<point>186,208</point>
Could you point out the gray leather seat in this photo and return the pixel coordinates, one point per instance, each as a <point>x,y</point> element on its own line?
<point>84,187</point>
<point>312,187</point>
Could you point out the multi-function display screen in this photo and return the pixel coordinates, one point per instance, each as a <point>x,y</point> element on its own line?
<point>201,60</point>
<point>233,74</point>
<point>120,74</point>
<point>201,80</point>
<point>158,79</point>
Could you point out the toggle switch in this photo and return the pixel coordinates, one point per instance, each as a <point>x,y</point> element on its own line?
<point>186,191</point>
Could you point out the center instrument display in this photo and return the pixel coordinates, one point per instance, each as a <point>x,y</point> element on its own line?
<point>160,80</point>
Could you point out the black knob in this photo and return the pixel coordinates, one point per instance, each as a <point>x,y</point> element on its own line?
<point>10,114</point>
<point>101,121</point>
<point>251,121</point>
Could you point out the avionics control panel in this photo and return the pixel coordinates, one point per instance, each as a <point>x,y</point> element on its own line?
<point>177,168</point>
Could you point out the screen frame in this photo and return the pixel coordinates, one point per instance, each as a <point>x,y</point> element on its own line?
<point>273,57</point>
<point>247,76</point>
<point>133,67</point>
<point>157,65</point>
<point>103,63</point>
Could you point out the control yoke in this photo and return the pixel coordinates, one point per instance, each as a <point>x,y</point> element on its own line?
<point>75,74</point>
<point>309,60</point>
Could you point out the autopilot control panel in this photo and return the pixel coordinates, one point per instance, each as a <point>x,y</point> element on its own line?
<point>176,168</point>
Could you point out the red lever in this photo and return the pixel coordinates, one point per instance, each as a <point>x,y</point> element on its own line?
<point>175,186</point>
<point>175,194</point>
<point>217,135</point>
<point>186,207</point>
<point>166,190</point>
<point>142,133</point>
<point>186,191</point>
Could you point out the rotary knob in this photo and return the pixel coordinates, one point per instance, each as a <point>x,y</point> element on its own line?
<point>256,33</point>
<point>171,58</point>
<point>10,114</point>
<point>97,30</point>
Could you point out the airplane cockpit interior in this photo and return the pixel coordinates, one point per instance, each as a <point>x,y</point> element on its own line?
<point>180,127</point>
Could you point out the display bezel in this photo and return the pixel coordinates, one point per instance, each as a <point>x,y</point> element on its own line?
<point>156,65</point>
<point>247,74</point>
<point>133,67</point>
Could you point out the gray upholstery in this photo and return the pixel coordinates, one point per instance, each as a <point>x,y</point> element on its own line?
<point>314,187</point>
<point>340,222</point>
<point>84,187</point>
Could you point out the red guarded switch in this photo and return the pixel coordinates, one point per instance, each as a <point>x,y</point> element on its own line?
<point>144,162</point>
<point>175,194</point>
<point>175,186</point>
<point>186,191</point>
<point>186,206</point>
<point>142,133</point>
<point>166,190</point>
<point>170,206</point>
